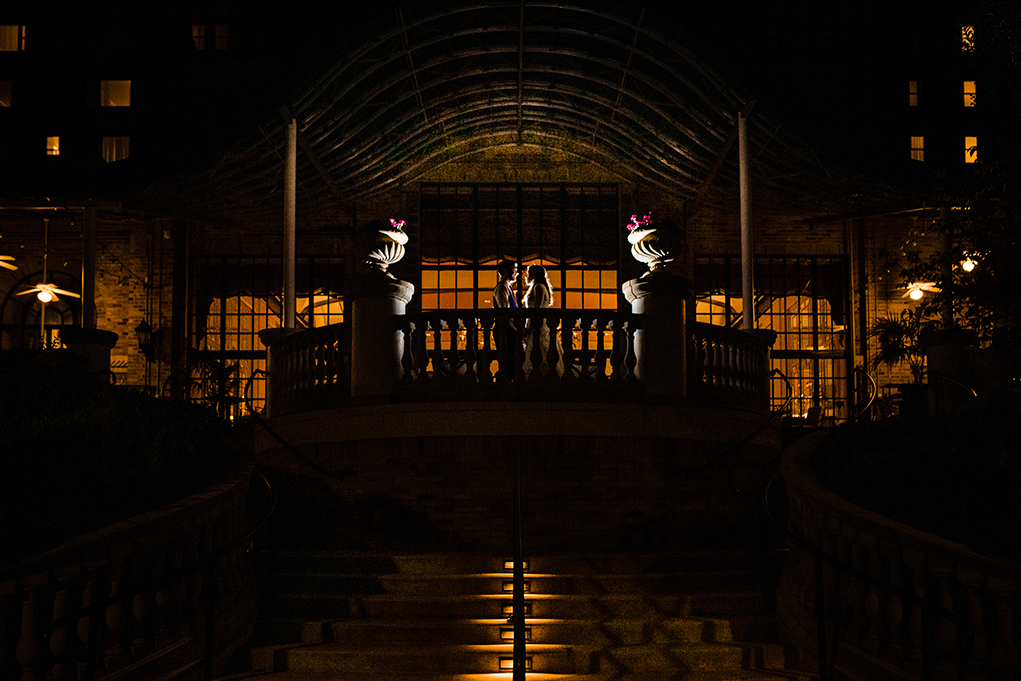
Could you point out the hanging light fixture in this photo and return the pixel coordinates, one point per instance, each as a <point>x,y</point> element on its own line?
<point>917,290</point>
<point>44,291</point>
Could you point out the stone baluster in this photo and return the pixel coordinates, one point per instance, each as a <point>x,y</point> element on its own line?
<point>115,656</point>
<point>141,610</point>
<point>485,367</point>
<point>856,590</point>
<point>86,625</point>
<point>973,580</point>
<point>1003,656</point>
<point>437,350</point>
<point>896,622</point>
<point>552,359</point>
<point>8,608</point>
<point>61,643</point>
<point>915,561</point>
<point>471,348</point>
<point>421,350</point>
<point>519,346</point>
<point>875,600</point>
<point>599,324</point>
<point>454,329</point>
<point>161,597</point>
<point>945,632</point>
<point>630,355</point>
<point>408,356</point>
<point>29,651</point>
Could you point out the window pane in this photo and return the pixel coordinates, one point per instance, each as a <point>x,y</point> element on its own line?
<point>912,93</point>
<point>115,148</point>
<point>968,38</point>
<point>220,37</point>
<point>969,93</point>
<point>9,35</point>
<point>53,146</point>
<point>115,93</point>
<point>970,149</point>
<point>5,93</point>
<point>918,148</point>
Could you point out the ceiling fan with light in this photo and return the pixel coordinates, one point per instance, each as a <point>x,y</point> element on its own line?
<point>916,290</point>
<point>46,292</point>
<point>7,265</point>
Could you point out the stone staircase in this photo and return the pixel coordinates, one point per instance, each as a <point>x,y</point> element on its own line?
<point>335,616</point>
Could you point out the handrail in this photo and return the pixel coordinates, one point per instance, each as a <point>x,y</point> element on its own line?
<point>735,447</point>
<point>336,475</point>
<point>518,605</point>
<point>872,395</point>
<point>931,607</point>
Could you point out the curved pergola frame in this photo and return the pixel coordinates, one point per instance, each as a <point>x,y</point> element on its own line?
<point>437,85</point>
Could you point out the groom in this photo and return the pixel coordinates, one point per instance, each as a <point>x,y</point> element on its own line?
<point>504,333</point>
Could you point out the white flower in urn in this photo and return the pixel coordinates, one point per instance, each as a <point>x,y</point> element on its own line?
<point>387,246</point>
<point>655,246</point>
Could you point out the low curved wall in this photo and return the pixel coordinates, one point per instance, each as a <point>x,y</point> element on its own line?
<point>897,603</point>
<point>594,475</point>
<point>137,599</point>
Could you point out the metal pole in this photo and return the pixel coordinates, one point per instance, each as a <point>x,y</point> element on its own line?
<point>519,581</point>
<point>290,198</point>
<point>89,270</point>
<point>747,265</point>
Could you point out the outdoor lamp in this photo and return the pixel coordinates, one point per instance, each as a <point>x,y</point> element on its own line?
<point>969,264</point>
<point>143,335</point>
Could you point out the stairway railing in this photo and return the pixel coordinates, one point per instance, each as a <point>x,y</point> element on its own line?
<point>518,618</point>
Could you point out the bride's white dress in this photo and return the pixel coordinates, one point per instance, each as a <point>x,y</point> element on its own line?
<point>539,297</point>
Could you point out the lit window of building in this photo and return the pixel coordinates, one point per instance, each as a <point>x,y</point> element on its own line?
<point>206,39</point>
<point>53,146</point>
<point>115,148</point>
<point>912,93</point>
<point>917,148</point>
<point>969,93</point>
<point>970,149</point>
<point>5,92</point>
<point>12,38</point>
<point>220,37</point>
<point>968,38</point>
<point>115,93</point>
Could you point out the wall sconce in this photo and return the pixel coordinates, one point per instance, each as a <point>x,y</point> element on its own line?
<point>143,334</point>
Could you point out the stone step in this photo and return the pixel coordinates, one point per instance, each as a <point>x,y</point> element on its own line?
<point>487,606</point>
<point>446,659</point>
<point>481,631</point>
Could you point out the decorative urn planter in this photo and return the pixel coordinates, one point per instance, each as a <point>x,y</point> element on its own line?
<point>387,249</point>
<point>653,246</point>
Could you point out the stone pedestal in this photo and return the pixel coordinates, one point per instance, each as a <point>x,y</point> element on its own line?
<point>661,344</point>
<point>377,345</point>
<point>93,345</point>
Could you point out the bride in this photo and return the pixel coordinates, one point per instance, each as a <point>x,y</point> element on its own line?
<point>539,295</point>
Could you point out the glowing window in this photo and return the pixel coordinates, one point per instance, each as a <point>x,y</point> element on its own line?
<point>912,93</point>
<point>53,146</point>
<point>970,149</point>
<point>115,93</point>
<point>969,93</point>
<point>5,93</point>
<point>967,38</point>
<point>213,37</point>
<point>917,148</point>
<point>115,148</point>
<point>220,37</point>
<point>12,38</point>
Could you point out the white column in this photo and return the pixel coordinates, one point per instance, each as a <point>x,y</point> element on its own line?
<point>747,256</point>
<point>290,199</point>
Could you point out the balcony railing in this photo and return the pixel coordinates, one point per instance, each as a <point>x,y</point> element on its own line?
<point>456,354</point>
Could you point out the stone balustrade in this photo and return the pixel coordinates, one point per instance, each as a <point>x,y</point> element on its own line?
<point>169,594</point>
<point>896,602</point>
<point>451,353</point>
